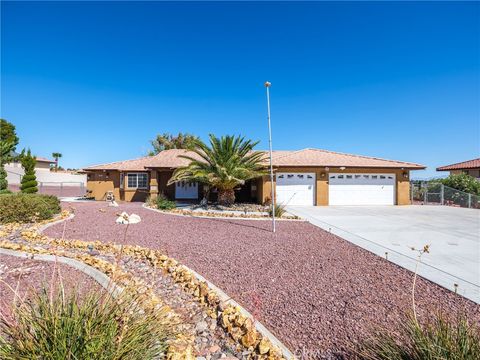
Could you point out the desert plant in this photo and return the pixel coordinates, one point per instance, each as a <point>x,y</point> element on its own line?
<point>164,204</point>
<point>279,210</point>
<point>439,338</point>
<point>29,180</point>
<point>26,208</point>
<point>227,163</point>
<point>54,326</point>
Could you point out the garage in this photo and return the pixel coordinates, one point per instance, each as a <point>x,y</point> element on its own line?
<point>361,189</point>
<point>296,188</point>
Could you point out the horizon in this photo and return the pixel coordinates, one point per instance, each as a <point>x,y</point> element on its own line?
<point>396,81</point>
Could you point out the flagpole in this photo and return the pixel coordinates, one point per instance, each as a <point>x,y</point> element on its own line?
<point>267,86</point>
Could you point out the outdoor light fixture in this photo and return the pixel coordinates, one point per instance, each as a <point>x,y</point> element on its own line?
<point>327,168</point>
<point>322,174</point>
<point>405,175</point>
<point>342,167</point>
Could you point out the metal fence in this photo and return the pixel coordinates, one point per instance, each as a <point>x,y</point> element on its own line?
<point>432,193</point>
<point>60,189</point>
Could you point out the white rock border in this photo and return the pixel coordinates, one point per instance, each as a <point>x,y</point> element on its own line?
<point>145,206</point>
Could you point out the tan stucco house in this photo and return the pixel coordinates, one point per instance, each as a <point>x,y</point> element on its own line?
<point>469,167</point>
<point>303,177</point>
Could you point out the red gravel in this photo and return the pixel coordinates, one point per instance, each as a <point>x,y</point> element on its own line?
<point>314,290</point>
<point>26,275</point>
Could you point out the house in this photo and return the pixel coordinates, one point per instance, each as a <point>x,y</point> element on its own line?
<point>469,167</point>
<point>15,171</point>
<point>303,177</point>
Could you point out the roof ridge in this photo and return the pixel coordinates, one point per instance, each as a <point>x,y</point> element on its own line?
<point>121,161</point>
<point>458,163</point>
<point>362,156</point>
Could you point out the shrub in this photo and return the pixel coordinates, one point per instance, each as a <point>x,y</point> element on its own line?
<point>27,207</point>
<point>437,339</point>
<point>164,204</point>
<point>29,180</point>
<point>462,182</point>
<point>279,210</point>
<point>58,327</point>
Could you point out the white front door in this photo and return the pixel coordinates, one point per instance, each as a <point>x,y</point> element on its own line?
<point>186,190</point>
<point>296,188</point>
<point>361,189</point>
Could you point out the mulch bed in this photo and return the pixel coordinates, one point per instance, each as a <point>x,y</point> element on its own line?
<point>315,291</point>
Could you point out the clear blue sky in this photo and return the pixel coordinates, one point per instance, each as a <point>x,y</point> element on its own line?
<point>96,81</point>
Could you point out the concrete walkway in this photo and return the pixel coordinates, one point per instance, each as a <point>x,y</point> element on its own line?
<point>391,231</point>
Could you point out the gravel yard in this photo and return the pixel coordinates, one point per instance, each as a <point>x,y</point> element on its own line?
<point>26,275</point>
<point>315,291</point>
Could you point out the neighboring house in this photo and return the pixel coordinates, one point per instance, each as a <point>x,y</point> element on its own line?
<point>303,177</point>
<point>470,167</point>
<point>44,175</point>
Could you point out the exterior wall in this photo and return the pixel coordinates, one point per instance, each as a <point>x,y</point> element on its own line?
<point>472,172</point>
<point>99,182</point>
<point>321,189</point>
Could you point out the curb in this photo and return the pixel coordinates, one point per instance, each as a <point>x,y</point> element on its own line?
<point>219,217</point>
<point>95,274</point>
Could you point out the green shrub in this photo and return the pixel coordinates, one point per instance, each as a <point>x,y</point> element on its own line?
<point>3,179</point>
<point>164,204</point>
<point>437,339</point>
<point>29,180</point>
<point>279,210</point>
<point>97,326</point>
<point>462,182</point>
<point>27,207</point>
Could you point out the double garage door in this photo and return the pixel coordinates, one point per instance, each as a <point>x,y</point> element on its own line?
<point>343,189</point>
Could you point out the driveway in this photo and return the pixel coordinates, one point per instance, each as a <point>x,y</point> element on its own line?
<point>391,231</point>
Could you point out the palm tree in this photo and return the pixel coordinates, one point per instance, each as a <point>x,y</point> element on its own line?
<point>227,163</point>
<point>56,156</point>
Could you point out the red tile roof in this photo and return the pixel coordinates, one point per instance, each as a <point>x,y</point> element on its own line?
<point>306,157</point>
<point>470,164</point>
<point>42,159</point>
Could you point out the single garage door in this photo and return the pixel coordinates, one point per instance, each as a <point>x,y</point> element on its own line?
<point>361,189</point>
<point>296,188</point>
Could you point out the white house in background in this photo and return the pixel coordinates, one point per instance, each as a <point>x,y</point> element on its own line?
<point>44,175</point>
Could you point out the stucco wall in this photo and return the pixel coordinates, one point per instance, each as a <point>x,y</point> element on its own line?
<point>100,182</point>
<point>321,189</point>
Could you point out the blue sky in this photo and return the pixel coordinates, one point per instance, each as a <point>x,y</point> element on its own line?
<point>97,80</point>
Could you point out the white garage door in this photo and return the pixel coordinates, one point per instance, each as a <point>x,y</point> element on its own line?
<point>361,189</point>
<point>295,188</point>
<point>186,190</point>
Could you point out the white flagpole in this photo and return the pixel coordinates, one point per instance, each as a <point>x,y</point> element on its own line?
<point>267,86</point>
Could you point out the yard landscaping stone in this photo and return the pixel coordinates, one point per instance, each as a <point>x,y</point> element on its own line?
<point>316,292</point>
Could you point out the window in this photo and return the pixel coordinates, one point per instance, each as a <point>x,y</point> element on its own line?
<point>137,181</point>
<point>374,176</point>
<point>366,176</point>
<point>349,176</point>
<point>309,177</point>
<point>300,176</point>
<point>340,176</point>
<point>382,176</point>
<point>281,176</point>
<point>357,176</point>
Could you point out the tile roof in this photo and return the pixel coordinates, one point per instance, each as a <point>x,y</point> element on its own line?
<point>304,157</point>
<point>42,159</point>
<point>469,164</point>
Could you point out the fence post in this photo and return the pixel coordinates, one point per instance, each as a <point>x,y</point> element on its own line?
<point>469,201</point>
<point>442,192</point>
<point>425,196</point>
<point>61,188</point>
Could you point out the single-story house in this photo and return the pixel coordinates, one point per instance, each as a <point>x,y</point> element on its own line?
<point>469,167</point>
<point>303,177</point>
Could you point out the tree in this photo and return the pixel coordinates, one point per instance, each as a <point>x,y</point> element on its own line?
<point>8,135</point>
<point>56,156</point>
<point>29,180</point>
<point>227,163</point>
<point>6,149</point>
<point>168,141</point>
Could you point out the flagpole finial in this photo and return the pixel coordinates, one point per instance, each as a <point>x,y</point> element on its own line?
<point>268,84</point>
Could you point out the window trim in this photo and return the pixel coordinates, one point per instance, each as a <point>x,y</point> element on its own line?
<point>127,186</point>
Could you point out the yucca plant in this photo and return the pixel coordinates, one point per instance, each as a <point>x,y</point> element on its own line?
<point>52,326</point>
<point>439,338</point>
<point>227,163</point>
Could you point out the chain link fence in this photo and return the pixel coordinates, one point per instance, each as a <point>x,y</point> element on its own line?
<point>432,193</point>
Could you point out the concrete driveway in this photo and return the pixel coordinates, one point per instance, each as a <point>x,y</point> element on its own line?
<point>391,231</point>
